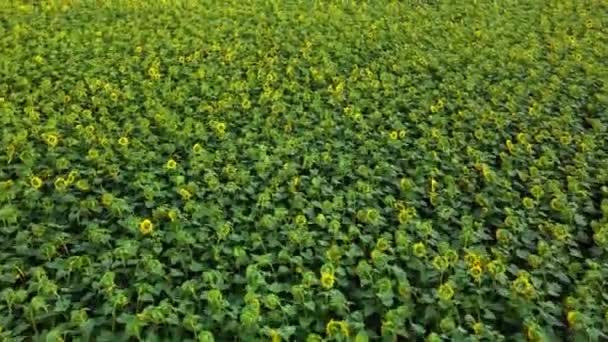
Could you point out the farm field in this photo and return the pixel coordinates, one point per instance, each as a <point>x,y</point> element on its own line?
<point>265,170</point>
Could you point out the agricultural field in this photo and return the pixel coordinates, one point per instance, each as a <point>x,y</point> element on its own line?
<point>266,170</point>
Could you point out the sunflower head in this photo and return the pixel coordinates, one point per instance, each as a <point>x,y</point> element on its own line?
<point>334,328</point>
<point>171,164</point>
<point>327,280</point>
<point>146,227</point>
<point>419,249</point>
<point>36,182</point>
<point>445,292</point>
<point>52,140</point>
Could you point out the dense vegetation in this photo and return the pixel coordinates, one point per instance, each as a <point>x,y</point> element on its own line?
<point>304,170</point>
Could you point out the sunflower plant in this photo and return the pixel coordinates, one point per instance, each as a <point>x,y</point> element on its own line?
<point>303,171</point>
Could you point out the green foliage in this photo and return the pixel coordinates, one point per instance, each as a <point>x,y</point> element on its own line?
<point>304,170</point>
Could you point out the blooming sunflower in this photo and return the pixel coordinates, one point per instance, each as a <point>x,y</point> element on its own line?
<point>36,182</point>
<point>146,227</point>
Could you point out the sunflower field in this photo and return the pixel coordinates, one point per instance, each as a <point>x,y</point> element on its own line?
<point>273,170</point>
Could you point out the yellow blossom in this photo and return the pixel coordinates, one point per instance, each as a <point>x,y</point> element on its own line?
<point>440,263</point>
<point>197,148</point>
<point>36,182</point>
<point>445,292</point>
<point>146,227</point>
<point>93,153</point>
<point>478,328</point>
<point>52,140</point>
<point>334,328</point>
<point>406,214</point>
<point>472,259</point>
<point>171,164</point>
<point>60,184</point>
<point>82,185</point>
<point>476,271</point>
<point>72,177</point>
<point>327,280</point>
<point>107,199</point>
<point>300,220</point>
<point>172,215</point>
<point>419,249</point>
<point>186,195</point>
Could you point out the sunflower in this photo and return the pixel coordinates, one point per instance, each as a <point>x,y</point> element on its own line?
<point>419,249</point>
<point>334,328</point>
<point>185,193</point>
<point>300,220</point>
<point>36,182</point>
<point>172,215</point>
<point>60,184</point>
<point>440,263</point>
<point>445,292</point>
<point>146,227</point>
<point>52,140</point>
<point>171,164</point>
<point>478,328</point>
<point>327,280</point>
<point>476,271</point>
<point>197,148</point>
